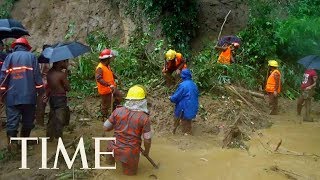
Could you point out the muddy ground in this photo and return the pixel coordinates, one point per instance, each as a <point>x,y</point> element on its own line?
<point>200,156</point>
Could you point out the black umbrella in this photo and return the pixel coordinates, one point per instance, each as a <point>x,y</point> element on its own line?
<point>310,62</point>
<point>229,40</point>
<point>10,28</point>
<point>63,51</point>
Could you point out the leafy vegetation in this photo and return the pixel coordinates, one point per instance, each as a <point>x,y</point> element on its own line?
<point>178,19</point>
<point>285,31</point>
<point>5,8</point>
<point>134,65</point>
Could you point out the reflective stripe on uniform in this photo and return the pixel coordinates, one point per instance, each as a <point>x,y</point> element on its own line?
<point>39,86</point>
<point>19,68</point>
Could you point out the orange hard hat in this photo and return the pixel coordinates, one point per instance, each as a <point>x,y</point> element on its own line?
<point>179,56</point>
<point>23,41</point>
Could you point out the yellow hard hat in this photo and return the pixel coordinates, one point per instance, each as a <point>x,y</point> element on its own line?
<point>170,55</point>
<point>273,63</point>
<point>136,93</point>
<point>144,88</point>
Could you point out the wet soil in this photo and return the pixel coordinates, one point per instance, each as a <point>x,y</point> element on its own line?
<point>191,157</point>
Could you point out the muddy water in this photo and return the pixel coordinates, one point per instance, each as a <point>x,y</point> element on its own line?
<point>201,157</point>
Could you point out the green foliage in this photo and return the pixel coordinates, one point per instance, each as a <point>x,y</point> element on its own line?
<point>178,19</point>
<point>303,8</point>
<point>276,30</point>
<point>71,30</point>
<point>135,63</point>
<point>291,79</point>
<point>6,7</point>
<point>141,61</point>
<point>208,73</point>
<point>82,76</point>
<point>299,34</point>
<point>259,40</point>
<point>299,38</point>
<point>285,30</point>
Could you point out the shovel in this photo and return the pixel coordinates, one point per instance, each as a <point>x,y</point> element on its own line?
<point>149,159</point>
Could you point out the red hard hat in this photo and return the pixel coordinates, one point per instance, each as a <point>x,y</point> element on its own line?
<point>23,41</point>
<point>106,53</point>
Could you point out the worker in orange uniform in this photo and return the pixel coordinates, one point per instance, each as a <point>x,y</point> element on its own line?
<point>273,86</point>
<point>174,62</point>
<point>107,87</point>
<point>227,53</point>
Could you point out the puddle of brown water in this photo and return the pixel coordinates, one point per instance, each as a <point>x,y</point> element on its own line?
<point>199,157</point>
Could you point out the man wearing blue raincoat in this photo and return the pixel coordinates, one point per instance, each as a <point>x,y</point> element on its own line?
<point>22,81</point>
<point>187,103</point>
<point>3,56</point>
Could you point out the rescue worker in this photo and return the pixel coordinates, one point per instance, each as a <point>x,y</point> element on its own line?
<point>273,86</point>
<point>130,123</point>
<point>107,87</point>
<point>3,56</point>
<point>308,86</point>
<point>187,103</point>
<point>227,53</point>
<point>58,86</point>
<point>174,62</point>
<point>22,81</point>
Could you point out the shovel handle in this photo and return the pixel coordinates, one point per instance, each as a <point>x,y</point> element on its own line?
<point>149,159</point>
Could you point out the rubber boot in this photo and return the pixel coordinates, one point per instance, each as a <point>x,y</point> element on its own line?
<point>26,133</point>
<point>12,147</point>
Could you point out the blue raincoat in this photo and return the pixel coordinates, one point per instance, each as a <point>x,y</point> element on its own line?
<point>23,78</point>
<point>3,56</point>
<point>186,97</point>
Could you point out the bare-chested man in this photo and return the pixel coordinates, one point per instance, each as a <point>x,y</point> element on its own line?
<point>58,85</point>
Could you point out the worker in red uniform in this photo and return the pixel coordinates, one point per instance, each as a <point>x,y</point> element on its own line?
<point>174,62</point>
<point>308,86</point>
<point>130,123</point>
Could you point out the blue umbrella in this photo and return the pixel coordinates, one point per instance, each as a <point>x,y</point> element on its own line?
<point>229,40</point>
<point>10,28</point>
<point>63,51</point>
<point>310,62</point>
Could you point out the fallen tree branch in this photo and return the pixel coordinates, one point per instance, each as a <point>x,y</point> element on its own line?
<point>279,144</point>
<point>232,133</point>
<point>289,174</point>
<point>234,91</point>
<point>256,94</point>
<point>288,152</point>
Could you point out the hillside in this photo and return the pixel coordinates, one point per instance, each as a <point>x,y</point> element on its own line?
<point>49,21</point>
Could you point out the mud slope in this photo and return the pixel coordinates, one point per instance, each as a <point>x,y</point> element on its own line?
<point>50,20</point>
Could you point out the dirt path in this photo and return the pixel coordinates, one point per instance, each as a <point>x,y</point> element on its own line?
<point>201,156</point>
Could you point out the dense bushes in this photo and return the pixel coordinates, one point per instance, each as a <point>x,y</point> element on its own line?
<point>282,30</point>
<point>178,19</point>
<point>5,8</point>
